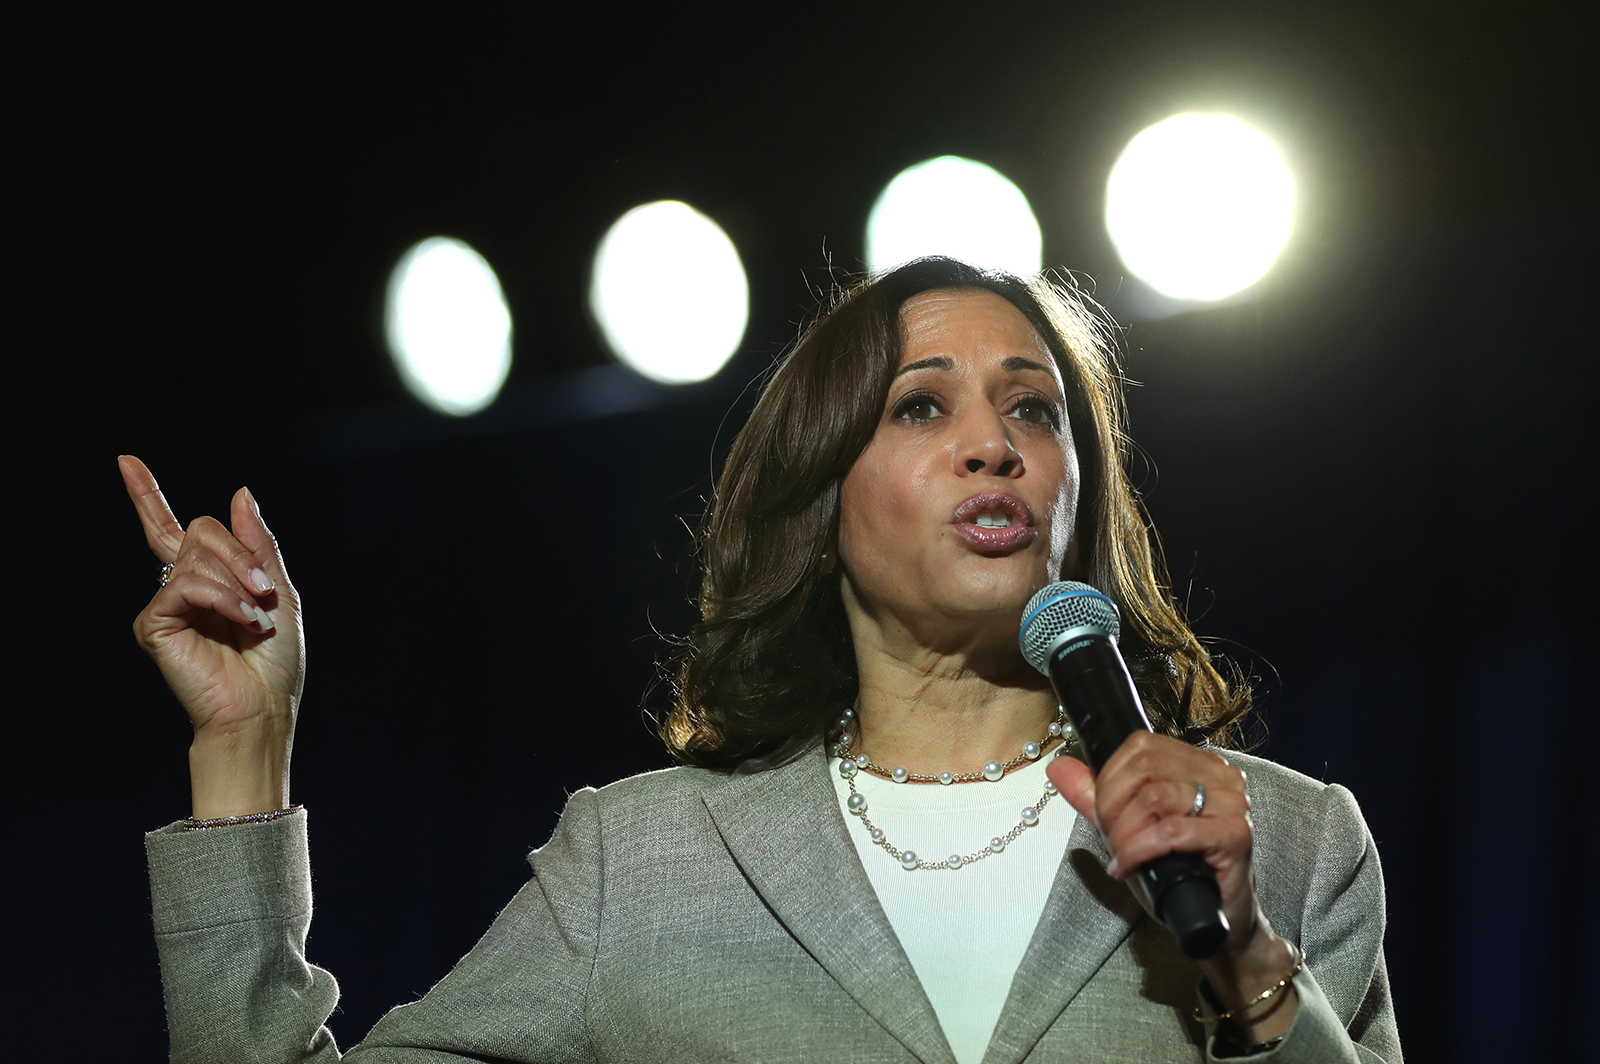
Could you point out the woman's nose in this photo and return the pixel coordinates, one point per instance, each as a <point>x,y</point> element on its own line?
<point>985,447</point>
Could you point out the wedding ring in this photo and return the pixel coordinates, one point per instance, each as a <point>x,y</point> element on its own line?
<point>1199,800</point>
<point>166,571</point>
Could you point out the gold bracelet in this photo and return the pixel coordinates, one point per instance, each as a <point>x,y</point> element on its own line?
<point>228,821</point>
<point>1300,962</point>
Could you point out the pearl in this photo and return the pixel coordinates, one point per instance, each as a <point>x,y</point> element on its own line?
<point>1030,751</point>
<point>946,778</point>
<point>1061,751</point>
<point>1068,730</point>
<point>877,834</point>
<point>1049,788</point>
<point>847,713</point>
<point>996,844</point>
<point>861,760</point>
<point>908,860</point>
<point>1055,728</point>
<point>955,860</point>
<point>1030,815</point>
<point>993,771</point>
<point>847,768</point>
<point>857,803</point>
<point>899,774</point>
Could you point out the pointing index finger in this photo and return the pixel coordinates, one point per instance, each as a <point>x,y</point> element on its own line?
<point>161,528</point>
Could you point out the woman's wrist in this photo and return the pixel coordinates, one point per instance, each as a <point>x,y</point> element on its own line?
<point>1254,988</point>
<point>243,772</point>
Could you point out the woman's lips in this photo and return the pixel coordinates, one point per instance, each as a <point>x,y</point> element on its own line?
<point>988,538</point>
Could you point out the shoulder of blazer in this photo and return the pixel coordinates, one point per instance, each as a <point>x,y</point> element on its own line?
<point>672,801</point>
<point>1291,809</point>
<point>1313,851</point>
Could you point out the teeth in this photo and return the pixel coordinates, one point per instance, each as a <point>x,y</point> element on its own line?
<point>993,521</point>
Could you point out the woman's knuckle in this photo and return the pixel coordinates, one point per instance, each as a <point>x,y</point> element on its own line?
<point>1139,742</point>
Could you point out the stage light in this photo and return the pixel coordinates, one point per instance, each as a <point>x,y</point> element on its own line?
<point>448,326</point>
<point>1199,206</point>
<point>956,207</point>
<point>669,292</point>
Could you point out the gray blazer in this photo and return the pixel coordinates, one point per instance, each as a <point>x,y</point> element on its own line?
<point>690,915</point>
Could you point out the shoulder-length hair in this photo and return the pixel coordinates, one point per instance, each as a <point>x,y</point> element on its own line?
<point>771,663</point>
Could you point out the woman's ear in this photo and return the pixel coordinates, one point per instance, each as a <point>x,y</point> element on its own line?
<point>828,560</point>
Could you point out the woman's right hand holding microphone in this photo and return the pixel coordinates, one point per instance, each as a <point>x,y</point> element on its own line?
<point>226,634</point>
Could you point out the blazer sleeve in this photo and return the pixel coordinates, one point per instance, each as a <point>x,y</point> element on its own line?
<point>1345,1013</point>
<point>232,908</point>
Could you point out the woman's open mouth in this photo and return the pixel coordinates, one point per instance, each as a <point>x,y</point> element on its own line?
<point>994,523</point>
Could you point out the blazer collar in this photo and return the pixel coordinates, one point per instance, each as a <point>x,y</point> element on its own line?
<point>1086,918</point>
<point>786,831</point>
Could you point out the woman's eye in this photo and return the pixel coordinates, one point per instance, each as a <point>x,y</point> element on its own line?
<point>1035,410</point>
<point>916,408</point>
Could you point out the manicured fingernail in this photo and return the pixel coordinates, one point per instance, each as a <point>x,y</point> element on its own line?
<point>260,580</point>
<point>267,623</point>
<point>250,612</point>
<point>1114,869</point>
<point>254,508</point>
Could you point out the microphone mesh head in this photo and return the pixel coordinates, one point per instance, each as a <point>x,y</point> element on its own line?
<point>1058,608</point>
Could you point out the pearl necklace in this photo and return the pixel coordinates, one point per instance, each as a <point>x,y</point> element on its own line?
<point>993,770</point>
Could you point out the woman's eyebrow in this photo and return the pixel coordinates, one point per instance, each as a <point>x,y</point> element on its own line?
<point>936,362</point>
<point>1014,364</point>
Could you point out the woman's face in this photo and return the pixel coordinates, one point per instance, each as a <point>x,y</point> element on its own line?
<point>964,502</point>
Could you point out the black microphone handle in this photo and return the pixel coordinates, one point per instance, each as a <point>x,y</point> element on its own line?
<point>1095,689</point>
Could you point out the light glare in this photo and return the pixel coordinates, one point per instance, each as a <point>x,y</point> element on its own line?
<point>1199,206</point>
<point>448,326</point>
<point>955,207</point>
<point>669,292</point>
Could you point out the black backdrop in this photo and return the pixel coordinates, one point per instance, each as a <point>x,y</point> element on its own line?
<point>1370,478</point>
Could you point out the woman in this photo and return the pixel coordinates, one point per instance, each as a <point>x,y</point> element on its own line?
<point>937,447</point>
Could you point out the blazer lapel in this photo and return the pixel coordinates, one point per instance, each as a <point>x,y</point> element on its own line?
<point>787,833</point>
<point>1085,919</point>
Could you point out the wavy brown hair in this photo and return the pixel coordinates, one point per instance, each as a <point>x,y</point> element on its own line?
<point>765,672</point>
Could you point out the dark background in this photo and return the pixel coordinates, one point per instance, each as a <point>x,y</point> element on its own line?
<point>1369,476</point>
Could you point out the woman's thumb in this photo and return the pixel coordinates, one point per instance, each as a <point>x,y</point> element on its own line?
<point>1076,784</point>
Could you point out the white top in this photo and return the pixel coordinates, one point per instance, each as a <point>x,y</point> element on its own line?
<point>966,929</point>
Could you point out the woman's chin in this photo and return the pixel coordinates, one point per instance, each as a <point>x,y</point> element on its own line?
<point>991,595</point>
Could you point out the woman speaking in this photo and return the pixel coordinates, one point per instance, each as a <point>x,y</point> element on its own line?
<point>873,848</point>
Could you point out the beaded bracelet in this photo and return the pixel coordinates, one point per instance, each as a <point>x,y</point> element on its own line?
<point>1300,962</point>
<point>228,821</point>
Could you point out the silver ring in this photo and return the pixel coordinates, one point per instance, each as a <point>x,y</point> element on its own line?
<point>1199,800</point>
<point>166,572</point>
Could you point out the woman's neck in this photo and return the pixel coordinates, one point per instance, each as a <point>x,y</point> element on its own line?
<point>931,713</point>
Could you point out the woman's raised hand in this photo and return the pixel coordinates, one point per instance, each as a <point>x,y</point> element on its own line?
<point>226,634</point>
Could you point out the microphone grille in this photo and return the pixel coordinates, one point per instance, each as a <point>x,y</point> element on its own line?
<point>1058,608</point>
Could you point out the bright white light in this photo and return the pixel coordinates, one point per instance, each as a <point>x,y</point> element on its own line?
<point>448,326</point>
<point>669,292</point>
<point>956,207</point>
<point>1199,205</point>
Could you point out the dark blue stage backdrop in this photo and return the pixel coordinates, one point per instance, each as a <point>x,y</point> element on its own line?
<point>1370,492</point>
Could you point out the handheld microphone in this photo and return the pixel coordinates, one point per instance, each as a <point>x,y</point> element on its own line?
<point>1069,633</point>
